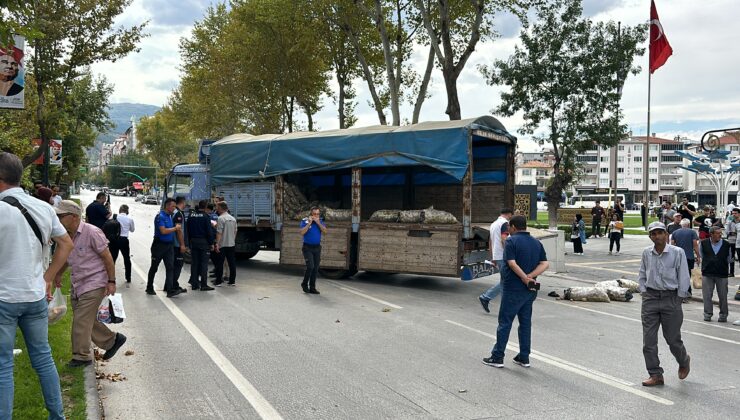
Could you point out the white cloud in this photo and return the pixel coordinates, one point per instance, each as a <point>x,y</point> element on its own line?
<point>699,82</point>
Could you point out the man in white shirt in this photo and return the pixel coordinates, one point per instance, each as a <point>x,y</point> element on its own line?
<point>55,198</point>
<point>499,231</point>
<point>127,226</point>
<point>225,244</point>
<point>25,288</point>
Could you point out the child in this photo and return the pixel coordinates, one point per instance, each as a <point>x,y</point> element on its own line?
<point>578,229</point>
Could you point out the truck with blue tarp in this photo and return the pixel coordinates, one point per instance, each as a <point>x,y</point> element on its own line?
<point>463,168</point>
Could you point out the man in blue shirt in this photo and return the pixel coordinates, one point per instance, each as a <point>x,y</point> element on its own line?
<point>163,249</point>
<point>312,227</point>
<point>525,259</point>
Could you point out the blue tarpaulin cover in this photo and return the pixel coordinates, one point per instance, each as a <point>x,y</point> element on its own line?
<point>441,145</point>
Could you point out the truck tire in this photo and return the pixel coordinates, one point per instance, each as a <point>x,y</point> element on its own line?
<point>336,274</point>
<point>246,255</point>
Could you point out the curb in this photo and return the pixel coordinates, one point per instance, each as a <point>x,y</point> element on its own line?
<point>94,409</point>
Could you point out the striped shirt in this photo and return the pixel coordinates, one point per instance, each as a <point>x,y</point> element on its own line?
<point>666,271</point>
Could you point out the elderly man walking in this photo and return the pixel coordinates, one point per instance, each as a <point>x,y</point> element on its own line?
<point>663,281</point>
<point>716,258</point>
<point>25,288</point>
<point>93,278</point>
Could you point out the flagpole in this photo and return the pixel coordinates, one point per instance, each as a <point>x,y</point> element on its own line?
<point>646,164</point>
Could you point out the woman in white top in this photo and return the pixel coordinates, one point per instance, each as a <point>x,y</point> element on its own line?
<point>615,233</point>
<point>127,226</point>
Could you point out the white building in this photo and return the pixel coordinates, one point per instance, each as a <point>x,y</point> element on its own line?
<point>534,172</point>
<point>622,168</point>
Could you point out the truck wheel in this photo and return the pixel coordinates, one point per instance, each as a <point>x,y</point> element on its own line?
<point>246,255</point>
<point>336,274</point>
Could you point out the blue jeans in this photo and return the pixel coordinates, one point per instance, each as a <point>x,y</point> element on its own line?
<point>494,290</point>
<point>33,320</point>
<point>515,304</point>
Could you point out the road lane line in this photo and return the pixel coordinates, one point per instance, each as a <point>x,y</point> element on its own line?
<point>363,294</point>
<point>711,337</point>
<point>577,369</point>
<point>606,262</point>
<point>604,269</point>
<point>250,393</point>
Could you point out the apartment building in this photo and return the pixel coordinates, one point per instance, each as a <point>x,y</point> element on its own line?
<point>622,168</point>
<point>534,172</point>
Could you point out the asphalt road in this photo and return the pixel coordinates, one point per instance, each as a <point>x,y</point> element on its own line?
<point>398,346</point>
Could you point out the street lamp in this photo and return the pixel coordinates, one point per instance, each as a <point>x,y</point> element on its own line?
<point>716,166</point>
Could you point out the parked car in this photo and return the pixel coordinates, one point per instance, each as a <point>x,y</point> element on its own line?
<point>150,199</point>
<point>139,197</point>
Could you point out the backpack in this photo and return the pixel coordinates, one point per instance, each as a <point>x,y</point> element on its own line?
<point>112,229</point>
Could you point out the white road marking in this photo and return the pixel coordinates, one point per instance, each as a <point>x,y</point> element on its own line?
<point>711,337</point>
<point>361,293</point>
<point>605,262</point>
<point>605,269</point>
<point>579,370</point>
<point>250,393</point>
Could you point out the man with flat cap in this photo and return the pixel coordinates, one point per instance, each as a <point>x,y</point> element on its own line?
<point>664,281</point>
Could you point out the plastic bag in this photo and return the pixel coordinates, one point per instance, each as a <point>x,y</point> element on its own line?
<point>696,279</point>
<point>117,313</point>
<point>57,306</point>
<point>104,311</point>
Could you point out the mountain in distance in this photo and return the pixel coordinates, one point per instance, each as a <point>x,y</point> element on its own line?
<point>120,114</point>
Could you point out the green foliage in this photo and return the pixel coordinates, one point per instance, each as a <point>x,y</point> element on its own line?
<point>76,34</point>
<point>165,141</point>
<point>566,79</point>
<point>131,162</point>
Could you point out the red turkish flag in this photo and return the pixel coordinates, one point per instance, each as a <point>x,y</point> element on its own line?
<point>660,49</point>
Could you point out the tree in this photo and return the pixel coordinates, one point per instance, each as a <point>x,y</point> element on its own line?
<point>76,34</point>
<point>565,78</point>
<point>454,28</point>
<point>164,141</point>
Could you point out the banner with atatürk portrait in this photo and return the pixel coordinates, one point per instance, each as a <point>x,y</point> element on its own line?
<point>12,74</point>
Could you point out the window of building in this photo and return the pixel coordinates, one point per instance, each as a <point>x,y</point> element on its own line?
<point>653,158</point>
<point>620,181</point>
<point>638,171</point>
<point>637,148</point>
<point>733,148</point>
<point>604,159</point>
<point>637,158</point>
<point>671,158</point>
<point>585,158</point>
<point>653,147</point>
<point>604,170</point>
<point>620,159</point>
<point>620,147</point>
<point>526,172</point>
<point>638,181</point>
<point>541,172</point>
<point>620,170</point>
<point>653,181</point>
<point>653,170</point>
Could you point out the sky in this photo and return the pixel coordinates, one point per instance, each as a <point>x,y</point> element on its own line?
<point>698,89</point>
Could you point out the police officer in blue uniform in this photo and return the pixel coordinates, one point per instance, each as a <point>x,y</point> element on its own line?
<point>163,249</point>
<point>312,227</point>
<point>200,238</point>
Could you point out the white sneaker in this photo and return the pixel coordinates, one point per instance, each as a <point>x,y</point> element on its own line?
<point>616,253</point>
<point>736,322</point>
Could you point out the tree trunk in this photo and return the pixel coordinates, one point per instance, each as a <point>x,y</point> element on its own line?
<point>393,86</point>
<point>453,104</point>
<point>366,72</point>
<point>423,88</point>
<point>309,115</point>
<point>341,83</point>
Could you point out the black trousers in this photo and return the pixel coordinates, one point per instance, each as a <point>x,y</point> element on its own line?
<point>312,255</point>
<point>595,228</point>
<point>614,237</point>
<point>177,268</point>
<point>227,253</point>
<point>123,246</point>
<point>577,246</point>
<point>162,251</point>
<point>199,251</point>
<point>733,251</point>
